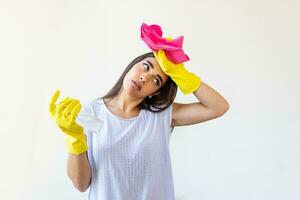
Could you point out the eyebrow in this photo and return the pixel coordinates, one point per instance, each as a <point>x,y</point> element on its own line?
<point>161,80</point>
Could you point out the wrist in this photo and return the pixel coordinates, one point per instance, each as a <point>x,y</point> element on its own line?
<point>76,145</point>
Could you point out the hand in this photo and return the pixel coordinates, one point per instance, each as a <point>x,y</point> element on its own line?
<point>65,114</point>
<point>185,80</point>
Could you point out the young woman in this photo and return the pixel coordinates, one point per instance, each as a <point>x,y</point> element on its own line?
<point>128,159</point>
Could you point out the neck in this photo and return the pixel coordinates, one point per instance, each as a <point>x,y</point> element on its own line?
<point>125,103</point>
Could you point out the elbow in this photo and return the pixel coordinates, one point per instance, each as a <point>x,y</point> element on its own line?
<point>81,187</point>
<point>226,108</point>
<point>80,184</point>
<point>223,110</point>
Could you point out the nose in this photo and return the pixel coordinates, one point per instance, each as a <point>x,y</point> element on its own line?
<point>143,79</point>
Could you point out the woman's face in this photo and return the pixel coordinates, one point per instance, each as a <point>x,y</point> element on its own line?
<point>149,77</point>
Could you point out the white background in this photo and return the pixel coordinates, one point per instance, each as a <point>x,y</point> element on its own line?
<point>246,50</point>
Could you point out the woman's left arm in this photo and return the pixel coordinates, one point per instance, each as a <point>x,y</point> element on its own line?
<point>211,105</point>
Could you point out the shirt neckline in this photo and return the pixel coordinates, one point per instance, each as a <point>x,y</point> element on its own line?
<point>118,117</point>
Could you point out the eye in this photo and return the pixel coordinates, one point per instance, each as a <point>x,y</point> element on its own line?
<point>156,82</point>
<point>147,66</point>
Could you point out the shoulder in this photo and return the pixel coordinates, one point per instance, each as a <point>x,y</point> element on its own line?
<point>160,112</point>
<point>165,116</point>
<point>91,105</point>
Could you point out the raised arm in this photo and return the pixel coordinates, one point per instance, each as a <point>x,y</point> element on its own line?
<point>211,105</point>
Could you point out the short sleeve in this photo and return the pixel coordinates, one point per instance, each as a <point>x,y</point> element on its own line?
<point>87,109</point>
<point>90,156</point>
<point>167,118</point>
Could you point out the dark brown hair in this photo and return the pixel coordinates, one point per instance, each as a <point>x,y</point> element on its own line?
<point>158,102</point>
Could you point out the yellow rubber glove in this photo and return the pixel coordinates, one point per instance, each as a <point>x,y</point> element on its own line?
<point>185,80</point>
<point>65,114</point>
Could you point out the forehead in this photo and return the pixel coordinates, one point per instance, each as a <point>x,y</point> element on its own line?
<point>156,67</point>
<point>153,61</point>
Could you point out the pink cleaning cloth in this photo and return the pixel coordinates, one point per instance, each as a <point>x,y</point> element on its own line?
<point>152,36</point>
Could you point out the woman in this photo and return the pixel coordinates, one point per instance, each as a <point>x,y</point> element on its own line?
<point>129,158</point>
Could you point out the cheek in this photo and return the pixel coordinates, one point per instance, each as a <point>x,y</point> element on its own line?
<point>131,74</point>
<point>137,70</point>
<point>134,72</point>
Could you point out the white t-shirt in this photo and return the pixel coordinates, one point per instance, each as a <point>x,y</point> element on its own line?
<point>130,158</point>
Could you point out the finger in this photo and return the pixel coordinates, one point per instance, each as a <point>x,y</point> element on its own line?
<point>70,107</point>
<point>75,112</point>
<point>64,100</point>
<point>63,105</point>
<point>55,96</point>
<point>53,100</point>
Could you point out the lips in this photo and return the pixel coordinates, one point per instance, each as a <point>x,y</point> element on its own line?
<point>136,84</point>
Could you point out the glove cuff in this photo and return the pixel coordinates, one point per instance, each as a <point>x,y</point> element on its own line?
<point>186,81</point>
<point>76,145</point>
<point>190,85</point>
